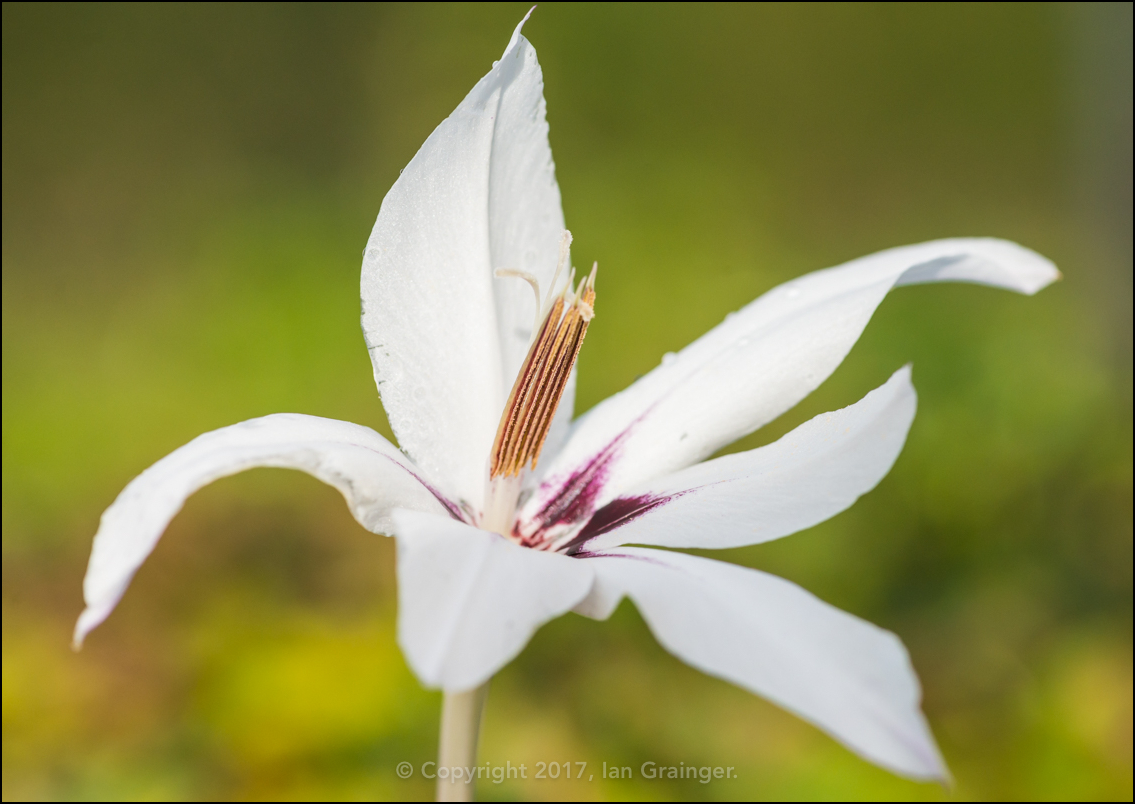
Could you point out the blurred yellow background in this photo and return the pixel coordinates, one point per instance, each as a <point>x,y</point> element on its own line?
<point>187,191</point>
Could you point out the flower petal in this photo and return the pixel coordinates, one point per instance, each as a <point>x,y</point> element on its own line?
<point>843,674</point>
<point>469,600</point>
<point>368,470</point>
<point>756,365</point>
<point>809,475</point>
<point>446,338</point>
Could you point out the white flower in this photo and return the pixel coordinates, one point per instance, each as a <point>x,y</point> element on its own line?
<point>449,325</point>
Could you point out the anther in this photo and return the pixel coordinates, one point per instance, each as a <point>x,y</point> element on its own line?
<point>543,375</point>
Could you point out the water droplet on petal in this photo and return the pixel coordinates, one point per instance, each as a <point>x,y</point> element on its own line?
<point>668,358</point>
<point>391,371</point>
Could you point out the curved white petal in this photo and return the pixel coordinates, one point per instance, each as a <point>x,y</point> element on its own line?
<point>757,364</point>
<point>809,475</point>
<point>373,476</point>
<point>446,338</point>
<point>469,600</point>
<point>843,674</point>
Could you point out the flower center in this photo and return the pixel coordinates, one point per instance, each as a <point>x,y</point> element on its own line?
<point>542,378</point>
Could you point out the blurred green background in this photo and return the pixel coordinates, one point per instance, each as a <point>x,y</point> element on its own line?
<point>186,194</point>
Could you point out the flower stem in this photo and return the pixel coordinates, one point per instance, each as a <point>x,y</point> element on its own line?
<point>460,725</point>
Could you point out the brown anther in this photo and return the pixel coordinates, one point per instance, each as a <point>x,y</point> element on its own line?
<point>540,384</point>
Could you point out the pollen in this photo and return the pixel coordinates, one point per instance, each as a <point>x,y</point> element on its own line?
<point>543,376</point>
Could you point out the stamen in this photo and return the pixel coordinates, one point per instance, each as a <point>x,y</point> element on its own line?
<point>565,258</point>
<point>543,377</point>
<point>533,282</point>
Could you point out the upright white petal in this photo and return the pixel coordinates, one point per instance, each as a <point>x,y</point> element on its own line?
<point>846,676</point>
<point>372,475</point>
<point>809,475</point>
<point>446,338</point>
<point>526,219</point>
<point>469,600</point>
<point>759,363</point>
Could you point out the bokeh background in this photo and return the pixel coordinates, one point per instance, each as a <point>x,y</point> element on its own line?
<point>186,194</point>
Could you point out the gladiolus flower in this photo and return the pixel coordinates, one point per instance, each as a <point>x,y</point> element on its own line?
<point>508,514</point>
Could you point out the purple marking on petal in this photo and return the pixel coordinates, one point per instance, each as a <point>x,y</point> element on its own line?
<point>605,554</point>
<point>615,514</point>
<point>453,508</point>
<point>576,497</point>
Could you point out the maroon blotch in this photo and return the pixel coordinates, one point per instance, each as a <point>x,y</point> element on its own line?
<point>614,515</point>
<point>576,497</point>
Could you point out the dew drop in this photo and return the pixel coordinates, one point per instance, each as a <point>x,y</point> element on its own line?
<point>391,371</point>
<point>668,358</point>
